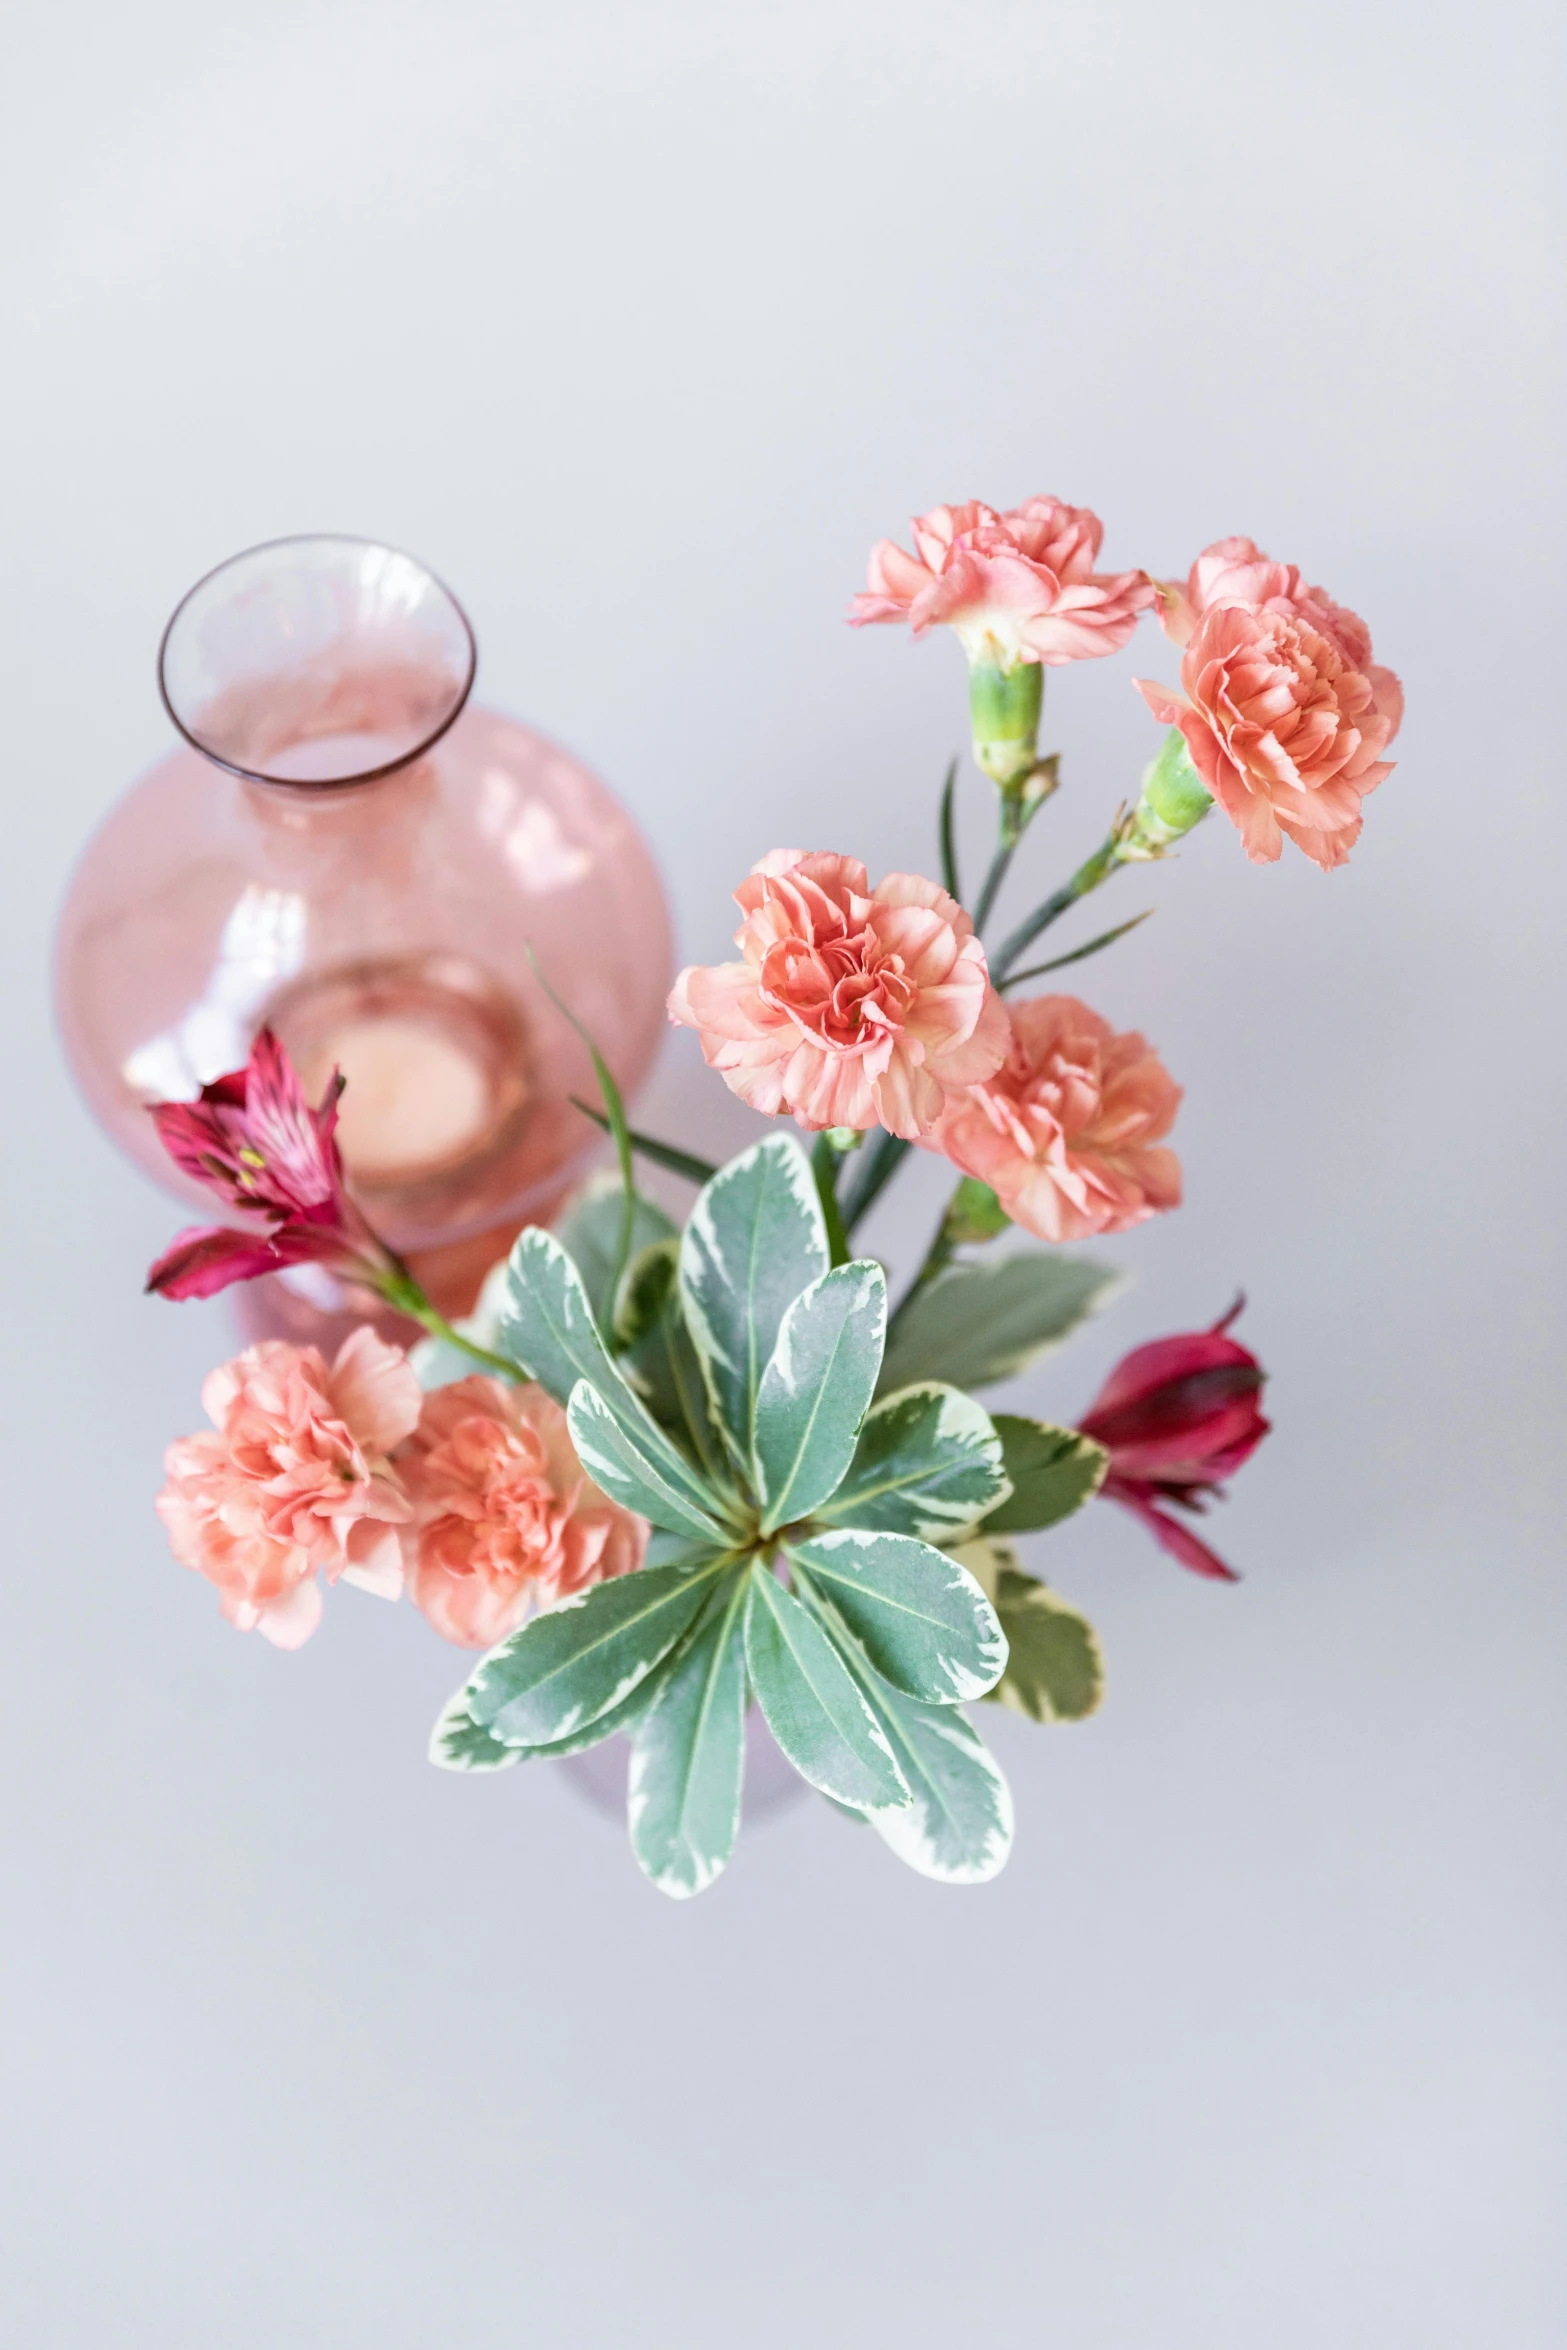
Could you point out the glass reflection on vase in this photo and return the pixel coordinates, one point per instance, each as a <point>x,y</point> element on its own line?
<point>348,850</point>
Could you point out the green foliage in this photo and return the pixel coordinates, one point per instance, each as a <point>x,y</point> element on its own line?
<point>458,1744</point>
<point>816,1391</point>
<point>812,1704</point>
<point>1055,1669</point>
<point>919,1615</point>
<point>566,1668</point>
<point>1052,1472</point>
<point>755,1240</point>
<point>795,1554</point>
<point>977,1323</point>
<point>688,1753</point>
<point>928,1462</point>
<point>957,1824</point>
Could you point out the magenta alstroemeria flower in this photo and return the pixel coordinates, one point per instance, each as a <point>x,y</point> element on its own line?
<point>1178,1417</point>
<point>252,1137</point>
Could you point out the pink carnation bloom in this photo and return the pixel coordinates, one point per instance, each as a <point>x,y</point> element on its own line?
<point>1285,730</point>
<point>1019,586</point>
<point>507,1521</point>
<point>294,1478</point>
<point>852,1006</point>
<point>1067,1133</point>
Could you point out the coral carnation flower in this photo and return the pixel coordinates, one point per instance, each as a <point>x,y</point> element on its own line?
<point>1284,711</point>
<point>1179,1417</point>
<point>1019,586</point>
<point>506,1519</point>
<point>852,1006</point>
<point>1068,1132</point>
<point>253,1139</point>
<point>295,1477</point>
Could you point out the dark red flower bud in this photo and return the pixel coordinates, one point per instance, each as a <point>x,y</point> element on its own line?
<point>1178,1417</point>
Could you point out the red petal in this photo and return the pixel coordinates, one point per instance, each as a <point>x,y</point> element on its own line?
<point>1173,1537</point>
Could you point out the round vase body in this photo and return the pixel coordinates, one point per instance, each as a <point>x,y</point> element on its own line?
<point>380,922</point>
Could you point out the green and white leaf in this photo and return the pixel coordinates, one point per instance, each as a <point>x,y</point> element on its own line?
<point>921,1618</point>
<point>566,1668</point>
<point>977,1323</point>
<point>457,1743</point>
<point>619,1719</point>
<point>958,1826</point>
<point>1055,1667</point>
<point>1052,1472</point>
<point>813,1705</point>
<point>928,1463</point>
<point>755,1240</point>
<point>816,1390</point>
<point>589,1231</point>
<point>688,1755</point>
<point>548,1324</point>
<point>631,1472</point>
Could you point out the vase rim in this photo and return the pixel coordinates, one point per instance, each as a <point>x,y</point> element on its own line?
<point>452,708</point>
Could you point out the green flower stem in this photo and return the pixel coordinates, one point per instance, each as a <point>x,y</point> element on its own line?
<point>826,1156</point>
<point>993,880</point>
<point>937,1257</point>
<point>948,843</point>
<point>402,1292</point>
<point>879,1162</point>
<point>1089,875</point>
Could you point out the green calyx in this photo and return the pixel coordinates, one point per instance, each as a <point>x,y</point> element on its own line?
<point>1174,798</point>
<point>1004,708</point>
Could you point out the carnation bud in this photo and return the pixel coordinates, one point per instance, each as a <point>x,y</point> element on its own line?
<point>974,1214</point>
<point>1174,798</point>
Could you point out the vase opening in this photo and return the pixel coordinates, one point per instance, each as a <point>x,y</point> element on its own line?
<point>316,661</point>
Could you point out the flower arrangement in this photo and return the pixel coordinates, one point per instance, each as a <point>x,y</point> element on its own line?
<point>663,1474</point>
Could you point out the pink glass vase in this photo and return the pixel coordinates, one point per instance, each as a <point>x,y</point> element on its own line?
<point>345,849</point>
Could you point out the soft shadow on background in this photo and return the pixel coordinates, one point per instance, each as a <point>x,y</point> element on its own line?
<point>641,325</point>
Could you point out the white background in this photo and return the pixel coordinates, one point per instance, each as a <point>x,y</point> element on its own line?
<point>641,324</point>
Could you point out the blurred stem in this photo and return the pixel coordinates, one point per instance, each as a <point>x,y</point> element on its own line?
<point>949,852</point>
<point>826,1156</point>
<point>878,1164</point>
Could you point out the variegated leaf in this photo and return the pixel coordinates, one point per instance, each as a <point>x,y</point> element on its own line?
<point>1055,1667</point>
<point>754,1241</point>
<point>977,1323</point>
<point>812,1705</point>
<point>614,1724</point>
<point>920,1617</point>
<point>631,1472</point>
<point>688,1754</point>
<point>958,1826</point>
<point>816,1390</point>
<point>548,1324</point>
<point>1052,1472</point>
<point>589,1231</point>
<point>566,1668</point>
<point>457,1743</point>
<point>928,1463</point>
